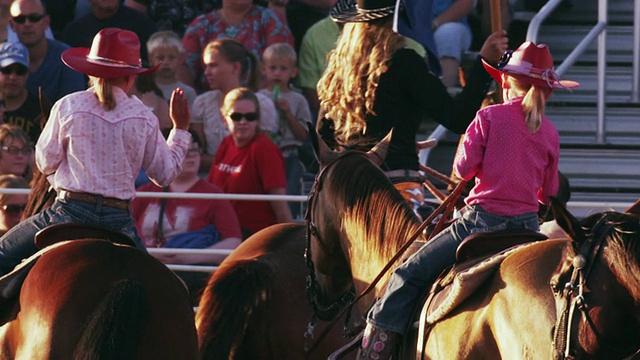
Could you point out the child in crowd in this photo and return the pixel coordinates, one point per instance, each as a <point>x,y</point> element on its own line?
<point>165,48</point>
<point>279,68</point>
<point>95,143</point>
<point>512,149</point>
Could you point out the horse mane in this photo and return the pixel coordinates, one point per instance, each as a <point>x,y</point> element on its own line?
<point>374,209</point>
<point>622,252</point>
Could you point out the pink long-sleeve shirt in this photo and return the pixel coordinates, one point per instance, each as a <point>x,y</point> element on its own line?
<point>514,168</point>
<point>87,148</point>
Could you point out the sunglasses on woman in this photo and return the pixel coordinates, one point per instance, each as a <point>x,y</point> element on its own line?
<point>13,209</point>
<point>237,116</point>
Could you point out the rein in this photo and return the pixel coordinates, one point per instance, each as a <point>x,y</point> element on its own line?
<point>573,293</point>
<point>346,302</point>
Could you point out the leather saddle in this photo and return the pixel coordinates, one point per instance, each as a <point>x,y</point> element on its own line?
<point>61,232</point>
<point>478,257</point>
<point>47,239</point>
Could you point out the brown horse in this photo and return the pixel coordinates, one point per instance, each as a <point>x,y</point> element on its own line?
<point>360,221</point>
<point>255,307</point>
<point>92,299</point>
<point>597,287</point>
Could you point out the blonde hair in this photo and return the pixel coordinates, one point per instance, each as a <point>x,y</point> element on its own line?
<point>533,103</point>
<point>347,88</point>
<point>103,88</point>
<point>280,50</point>
<point>167,39</point>
<point>233,51</point>
<point>237,94</point>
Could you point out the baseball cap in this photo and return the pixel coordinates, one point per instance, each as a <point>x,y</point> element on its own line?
<point>13,52</point>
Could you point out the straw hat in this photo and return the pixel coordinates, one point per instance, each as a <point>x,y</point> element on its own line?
<point>114,53</point>
<point>361,10</point>
<point>531,63</point>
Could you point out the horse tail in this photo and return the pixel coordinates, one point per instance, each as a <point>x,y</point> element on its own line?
<point>232,298</point>
<point>114,329</point>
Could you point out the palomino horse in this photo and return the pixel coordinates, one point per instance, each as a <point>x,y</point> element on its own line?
<point>597,287</point>
<point>359,222</point>
<point>255,305</point>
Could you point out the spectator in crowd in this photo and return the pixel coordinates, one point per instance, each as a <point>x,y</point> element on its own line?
<point>108,14</point>
<point>398,90</point>
<point>166,50</point>
<point>150,95</point>
<point>453,36</point>
<point>228,65</point>
<point>253,26</point>
<point>247,162</point>
<point>21,107</point>
<point>46,70</point>
<point>302,14</point>
<point>317,42</point>
<point>279,68</point>
<point>6,32</point>
<point>16,152</point>
<point>11,205</point>
<point>173,15</point>
<point>187,223</point>
<point>93,174</point>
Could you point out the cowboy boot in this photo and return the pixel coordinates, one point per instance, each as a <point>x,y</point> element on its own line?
<point>378,344</point>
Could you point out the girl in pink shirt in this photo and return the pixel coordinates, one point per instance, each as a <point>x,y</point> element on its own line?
<point>512,151</point>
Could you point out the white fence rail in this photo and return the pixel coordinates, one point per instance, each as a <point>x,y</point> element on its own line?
<point>578,208</point>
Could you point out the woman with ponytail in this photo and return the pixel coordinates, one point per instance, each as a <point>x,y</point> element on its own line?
<point>512,151</point>
<point>95,143</point>
<point>227,65</point>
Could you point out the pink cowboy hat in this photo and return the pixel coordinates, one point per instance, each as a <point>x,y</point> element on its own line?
<point>114,53</point>
<point>531,63</point>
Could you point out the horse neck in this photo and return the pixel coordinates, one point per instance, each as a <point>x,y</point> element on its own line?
<point>369,260</point>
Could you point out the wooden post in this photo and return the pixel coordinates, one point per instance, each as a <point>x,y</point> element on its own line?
<point>496,24</point>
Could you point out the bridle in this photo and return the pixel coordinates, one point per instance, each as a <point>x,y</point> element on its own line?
<point>323,312</point>
<point>573,292</point>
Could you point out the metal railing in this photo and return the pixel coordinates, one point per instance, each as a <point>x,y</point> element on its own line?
<point>600,31</point>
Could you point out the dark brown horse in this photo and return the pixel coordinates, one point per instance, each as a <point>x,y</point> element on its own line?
<point>360,221</point>
<point>597,287</point>
<point>255,305</point>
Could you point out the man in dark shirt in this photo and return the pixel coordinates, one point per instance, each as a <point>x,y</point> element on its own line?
<point>21,108</point>
<point>106,14</point>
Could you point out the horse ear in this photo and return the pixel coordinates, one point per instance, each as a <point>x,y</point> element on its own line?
<point>321,150</point>
<point>379,152</point>
<point>569,224</point>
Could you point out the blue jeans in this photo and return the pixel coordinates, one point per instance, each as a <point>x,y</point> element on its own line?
<point>18,243</point>
<point>410,280</point>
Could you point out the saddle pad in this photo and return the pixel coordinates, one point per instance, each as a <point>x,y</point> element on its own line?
<point>464,282</point>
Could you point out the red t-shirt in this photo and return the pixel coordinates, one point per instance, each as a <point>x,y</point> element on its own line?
<point>183,215</point>
<point>253,169</point>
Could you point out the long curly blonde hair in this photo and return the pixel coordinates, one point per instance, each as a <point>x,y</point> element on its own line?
<point>347,87</point>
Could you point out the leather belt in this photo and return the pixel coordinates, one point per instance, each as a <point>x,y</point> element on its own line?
<point>93,199</point>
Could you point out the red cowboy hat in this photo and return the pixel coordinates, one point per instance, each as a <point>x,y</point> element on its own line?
<point>114,53</point>
<point>531,63</point>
